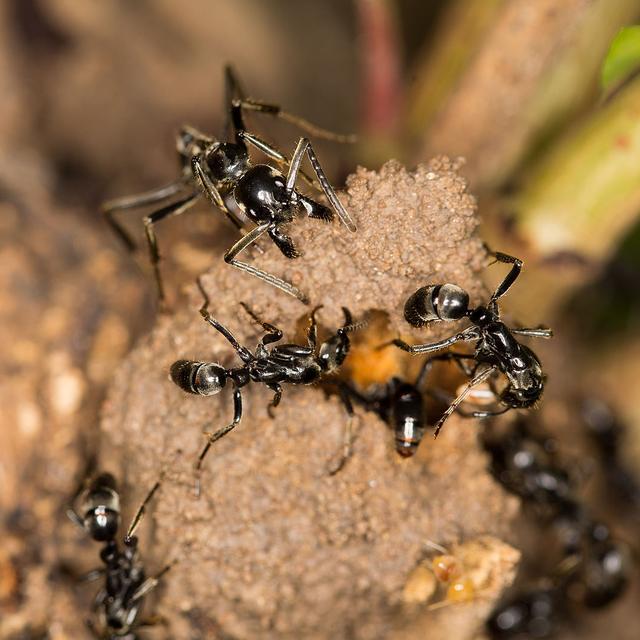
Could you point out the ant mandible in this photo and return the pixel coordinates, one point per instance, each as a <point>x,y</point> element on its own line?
<point>497,349</point>
<point>125,585</point>
<point>281,364</point>
<point>243,191</point>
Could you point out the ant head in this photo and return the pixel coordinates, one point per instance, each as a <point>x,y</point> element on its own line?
<point>101,509</point>
<point>436,302</point>
<point>202,378</point>
<point>227,161</point>
<point>334,351</point>
<point>525,389</point>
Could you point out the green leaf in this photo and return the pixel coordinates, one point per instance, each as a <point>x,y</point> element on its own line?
<point>623,58</point>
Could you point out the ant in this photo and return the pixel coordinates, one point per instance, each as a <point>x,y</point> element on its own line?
<point>594,569</point>
<point>496,345</point>
<point>284,363</point>
<point>398,403</point>
<point>607,433</point>
<point>243,191</point>
<point>125,584</point>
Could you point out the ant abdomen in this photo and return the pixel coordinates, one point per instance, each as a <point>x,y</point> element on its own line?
<point>101,508</point>
<point>201,378</point>
<point>436,302</point>
<point>408,420</point>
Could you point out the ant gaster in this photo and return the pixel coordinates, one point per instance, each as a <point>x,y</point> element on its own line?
<point>125,585</point>
<point>497,349</point>
<point>245,192</point>
<point>281,364</point>
<point>400,404</point>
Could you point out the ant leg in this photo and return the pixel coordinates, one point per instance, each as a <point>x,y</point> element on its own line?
<point>273,333</point>
<point>348,432</point>
<point>109,208</point>
<point>312,331</point>
<point>477,379</point>
<point>232,93</point>
<point>210,191</point>
<point>174,209</point>
<point>464,336</point>
<point>458,358</point>
<point>243,352</point>
<point>277,395</point>
<point>137,518</point>
<point>237,416</point>
<point>537,332</point>
<point>483,414</point>
<point>243,243</point>
<point>273,153</point>
<point>304,146</point>
<point>510,278</point>
<point>249,104</point>
<point>150,583</point>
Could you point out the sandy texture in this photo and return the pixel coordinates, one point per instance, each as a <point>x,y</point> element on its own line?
<point>66,320</point>
<point>276,547</point>
<point>413,228</point>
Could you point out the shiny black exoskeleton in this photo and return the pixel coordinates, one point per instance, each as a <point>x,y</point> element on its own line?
<point>400,404</point>
<point>524,465</point>
<point>593,569</point>
<point>125,585</point>
<point>282,364</point>
<point>497,349</point>
<point>531,613</point>
<point>607,433</point>
<point>247,193</point>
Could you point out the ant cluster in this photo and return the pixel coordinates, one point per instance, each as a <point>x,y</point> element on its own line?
<point>593,567</point>
<point>263,199</point>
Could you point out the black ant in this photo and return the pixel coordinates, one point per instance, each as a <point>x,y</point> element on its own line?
<point>496,345</point>
<point>594,569</point>
<point>282,364</point>
<point>243,191</point>
<point>125,585</point>
<point>400,404</point>
<point>606,432</point>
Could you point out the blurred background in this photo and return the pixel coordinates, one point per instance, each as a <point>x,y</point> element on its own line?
<point>92,96</point>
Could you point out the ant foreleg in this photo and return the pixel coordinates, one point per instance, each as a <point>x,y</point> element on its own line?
<point>270,151</point>
<point>243,243</point>
<point>137,518</point>
<point>510,278</point>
